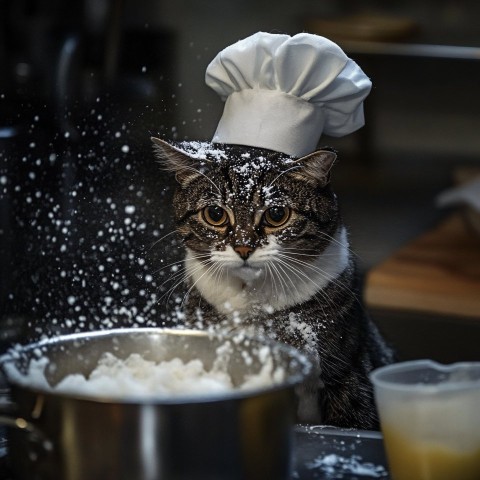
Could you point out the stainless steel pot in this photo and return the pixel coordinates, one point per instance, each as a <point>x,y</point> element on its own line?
<point>240,435</point>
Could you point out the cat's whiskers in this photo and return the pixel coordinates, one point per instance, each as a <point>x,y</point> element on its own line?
<point>342,285</point>
<point>169,292</point>
<point>296,271</point>
<point>330,252</point>
<point>335,280</point>
<point>343,244</point>
<point>280,275</point>
<point>328,276</point>
<point>180,271</point>
<point>288,267</point>
<point>183,274</point>
<point>293,265</point>
<point>161,239</point>
<point>295,167</point>
<point>302,252</point>
<point>300,275</point>
<point>274,274</point>
<point>218,274</point>
<point>213,268</point>
<point>174,276</point>
<point>169,265</point>
<point>196,170</point>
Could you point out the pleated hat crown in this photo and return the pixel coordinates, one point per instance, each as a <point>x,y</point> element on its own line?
<point>283,92</point>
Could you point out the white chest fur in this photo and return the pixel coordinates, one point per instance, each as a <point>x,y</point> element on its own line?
<point>271,279</point>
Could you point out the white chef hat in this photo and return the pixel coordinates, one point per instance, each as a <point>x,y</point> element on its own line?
<point>283,92</point>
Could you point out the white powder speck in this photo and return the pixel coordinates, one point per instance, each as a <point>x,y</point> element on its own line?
<point>130,209</point>
<point>268,308</point>
<point>125,148</point>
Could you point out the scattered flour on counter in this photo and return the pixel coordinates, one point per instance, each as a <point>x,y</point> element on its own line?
<point>334,466</point>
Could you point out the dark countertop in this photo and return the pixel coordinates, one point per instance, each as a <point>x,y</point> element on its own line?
<point>319,453</point>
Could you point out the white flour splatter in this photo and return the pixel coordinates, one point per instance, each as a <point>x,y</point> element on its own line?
<point>336,466</point>
<point>203,150</point>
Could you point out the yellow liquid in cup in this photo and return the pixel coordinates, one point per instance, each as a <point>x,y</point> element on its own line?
<point>411,459</point>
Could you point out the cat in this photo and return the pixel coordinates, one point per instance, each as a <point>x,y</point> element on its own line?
<point>266,251</point>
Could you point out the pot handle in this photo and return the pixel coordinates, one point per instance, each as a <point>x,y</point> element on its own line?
<point>29,428</point>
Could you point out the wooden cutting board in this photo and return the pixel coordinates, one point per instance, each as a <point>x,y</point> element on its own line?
<point>439,272</point>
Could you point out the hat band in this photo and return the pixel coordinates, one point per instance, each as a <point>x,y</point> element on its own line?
<point>270,119</point>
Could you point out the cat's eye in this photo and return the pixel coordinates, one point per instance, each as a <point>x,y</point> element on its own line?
<point>215,215</point>
<point>276,216</point>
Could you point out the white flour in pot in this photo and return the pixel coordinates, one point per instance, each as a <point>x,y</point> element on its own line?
<point>140,378</point>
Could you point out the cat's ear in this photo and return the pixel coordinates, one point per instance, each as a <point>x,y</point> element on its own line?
<point>315,167</point>
<point>174,160</point>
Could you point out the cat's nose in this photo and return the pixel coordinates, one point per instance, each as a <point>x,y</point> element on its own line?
<point>244,251</point>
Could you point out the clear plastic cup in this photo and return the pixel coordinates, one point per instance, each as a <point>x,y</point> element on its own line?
<point>430,419</point>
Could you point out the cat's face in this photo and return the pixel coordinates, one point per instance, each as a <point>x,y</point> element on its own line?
<point>252,213</point>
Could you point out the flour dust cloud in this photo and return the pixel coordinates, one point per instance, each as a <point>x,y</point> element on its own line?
<point>84,225</point>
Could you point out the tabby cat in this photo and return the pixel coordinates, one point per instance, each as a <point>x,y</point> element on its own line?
<point>266,251</point>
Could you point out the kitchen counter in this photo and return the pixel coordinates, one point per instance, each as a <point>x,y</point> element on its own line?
<point>438,272</point>
<point>425,296</point>
<point>319,453</point>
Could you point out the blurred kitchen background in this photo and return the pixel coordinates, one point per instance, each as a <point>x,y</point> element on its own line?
<point>84,208</point>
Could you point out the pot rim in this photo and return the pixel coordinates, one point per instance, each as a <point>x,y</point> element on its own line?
<point>291,380</point>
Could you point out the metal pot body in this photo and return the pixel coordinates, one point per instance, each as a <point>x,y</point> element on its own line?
<point>243,435</point>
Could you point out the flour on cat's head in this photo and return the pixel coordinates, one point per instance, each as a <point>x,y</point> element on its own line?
<point>187,158</point>
<point>176,160</point>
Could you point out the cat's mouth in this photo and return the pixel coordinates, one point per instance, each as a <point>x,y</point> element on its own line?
<point>247,273</point>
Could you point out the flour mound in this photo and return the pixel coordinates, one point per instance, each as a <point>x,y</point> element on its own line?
<point>138,378</point>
